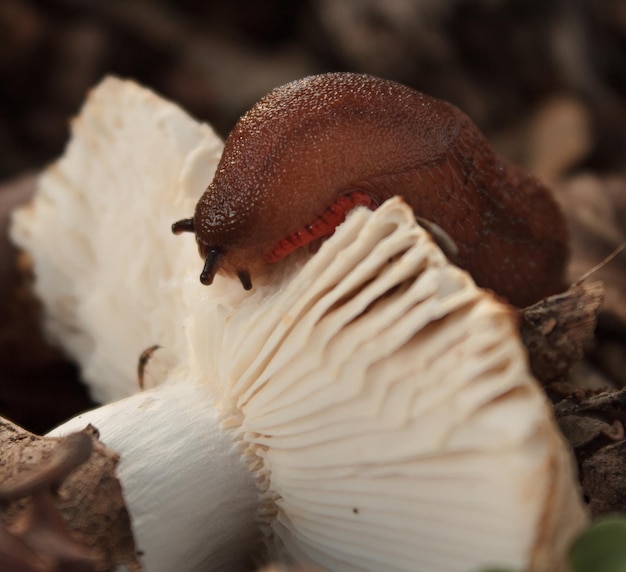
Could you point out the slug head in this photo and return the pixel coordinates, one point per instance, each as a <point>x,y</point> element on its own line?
<point>297,151</point>
<point>217,241</point>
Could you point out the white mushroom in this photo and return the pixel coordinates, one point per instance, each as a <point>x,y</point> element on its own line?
<point>108,271</point>
<point>364,408</point>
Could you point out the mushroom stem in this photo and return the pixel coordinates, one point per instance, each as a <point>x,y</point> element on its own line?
<point>186,487</point>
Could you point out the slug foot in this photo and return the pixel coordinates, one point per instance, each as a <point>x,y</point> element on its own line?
<point>322,226</point>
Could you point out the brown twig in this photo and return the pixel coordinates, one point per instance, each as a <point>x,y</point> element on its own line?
<point>600,264</point>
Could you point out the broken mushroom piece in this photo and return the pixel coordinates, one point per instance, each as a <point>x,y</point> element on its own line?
<point>364,408</point>
<point>95,233</point>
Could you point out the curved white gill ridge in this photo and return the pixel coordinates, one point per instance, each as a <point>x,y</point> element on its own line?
<point>107,266</point>
<point>386,404</point>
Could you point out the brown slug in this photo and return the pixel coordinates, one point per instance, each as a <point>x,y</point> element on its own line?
<point>313,149</point>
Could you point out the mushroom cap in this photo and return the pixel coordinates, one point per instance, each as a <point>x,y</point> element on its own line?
<point>98,232</point>
<point>387,403</point>
<point>383,402</point>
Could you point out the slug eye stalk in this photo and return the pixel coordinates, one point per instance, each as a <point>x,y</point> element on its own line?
<point>212,256</point>
<point>183,225</point>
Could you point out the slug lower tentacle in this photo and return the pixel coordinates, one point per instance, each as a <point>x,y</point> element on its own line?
<point>315,148</point>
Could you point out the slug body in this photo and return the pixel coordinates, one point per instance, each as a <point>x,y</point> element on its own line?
<point>315,146</point>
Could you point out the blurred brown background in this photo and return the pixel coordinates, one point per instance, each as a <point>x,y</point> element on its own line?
<point>544,79</point>
<point>496,59</point>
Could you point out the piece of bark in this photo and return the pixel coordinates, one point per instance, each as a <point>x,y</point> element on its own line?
<point>591,421</point>
<point>41,530</point>
<point>88,501</point>
<point>604,480</point>
<point>609,405</point>
<point>583,378</point>
<point>594,426</point>
<point>556,329</point>
<point>38,539</point>
<point>582,431</point>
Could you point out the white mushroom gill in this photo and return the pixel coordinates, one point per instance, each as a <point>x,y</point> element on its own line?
<point>381,402</point>
<point>108,270</point>
<point>390,403</point>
